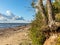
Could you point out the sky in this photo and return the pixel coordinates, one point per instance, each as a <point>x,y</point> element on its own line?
<point>18,7</point>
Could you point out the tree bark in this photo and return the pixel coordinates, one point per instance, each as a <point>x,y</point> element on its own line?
<point>49,8</point>
<point>50,20</point>
<point>50,13</point>
<point>42,10</point>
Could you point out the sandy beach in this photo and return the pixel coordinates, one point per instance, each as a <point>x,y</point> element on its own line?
<point>15,36</point>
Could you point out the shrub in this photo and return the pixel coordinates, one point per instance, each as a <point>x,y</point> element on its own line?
<point>35,31</point>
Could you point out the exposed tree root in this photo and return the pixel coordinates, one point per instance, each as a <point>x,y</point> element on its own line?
<point>51,32</point>
<point>51,40</point>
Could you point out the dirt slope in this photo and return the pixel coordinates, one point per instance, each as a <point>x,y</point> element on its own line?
<point>52,40</point>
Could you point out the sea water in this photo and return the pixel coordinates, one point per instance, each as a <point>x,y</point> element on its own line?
<point>7,25</point>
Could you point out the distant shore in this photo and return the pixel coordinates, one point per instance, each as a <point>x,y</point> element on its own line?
<point>10,25</point>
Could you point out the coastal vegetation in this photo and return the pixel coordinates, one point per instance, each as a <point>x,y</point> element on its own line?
<point>46,22</point>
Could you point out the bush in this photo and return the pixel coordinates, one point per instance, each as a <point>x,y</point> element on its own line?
<point>35,31</point>
<point>58,41</point>
<point>57,17</point>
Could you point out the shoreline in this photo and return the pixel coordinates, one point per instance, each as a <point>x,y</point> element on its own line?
<point>11,25</point>
<point>9,31</point>
<point>15,36</point>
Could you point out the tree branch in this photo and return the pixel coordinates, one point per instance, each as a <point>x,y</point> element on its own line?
<point>50,12</point>
<point>42,10</point>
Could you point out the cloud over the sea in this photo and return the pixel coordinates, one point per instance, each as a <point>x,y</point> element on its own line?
<point>10,17</point>
<point>8,12</point>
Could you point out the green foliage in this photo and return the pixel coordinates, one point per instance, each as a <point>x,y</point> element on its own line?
<point>56,10</point>
<point>35,32</point>
<point>25,42</point>
<point>57,17</point>
<point>56,7</point>
<point>58,41</point>
<point>33,4</point>
<point>36,35</point>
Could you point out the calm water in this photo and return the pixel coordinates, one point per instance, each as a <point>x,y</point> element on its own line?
<point>6,25</point>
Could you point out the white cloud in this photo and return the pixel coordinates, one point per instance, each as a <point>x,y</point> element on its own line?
<point>8,12</point>
<point>11,18</point>
<point>14,18</point>
<point>2,18</point>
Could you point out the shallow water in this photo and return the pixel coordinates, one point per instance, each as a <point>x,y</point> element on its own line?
<point>7,25</point>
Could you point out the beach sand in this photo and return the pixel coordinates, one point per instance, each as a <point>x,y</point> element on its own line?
<point>15,36</point>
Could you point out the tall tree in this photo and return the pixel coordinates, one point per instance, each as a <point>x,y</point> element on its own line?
<point>49,22</point>
<point>42,10</point>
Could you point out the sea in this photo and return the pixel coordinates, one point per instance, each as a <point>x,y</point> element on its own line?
<point>10,25</point>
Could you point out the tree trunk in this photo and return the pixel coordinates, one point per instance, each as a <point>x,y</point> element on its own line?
<point>42,10</point>
<point>50,13</point>
<point>49,8</point>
